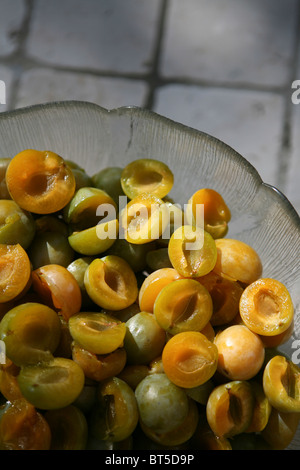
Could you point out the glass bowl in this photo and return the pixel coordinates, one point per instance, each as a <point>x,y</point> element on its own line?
<point>95,138</point>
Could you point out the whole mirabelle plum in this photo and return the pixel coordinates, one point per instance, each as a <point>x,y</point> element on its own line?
<point>237,261</point>
<point>241,352</point>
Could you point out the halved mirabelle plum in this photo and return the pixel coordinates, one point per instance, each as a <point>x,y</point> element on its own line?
<point>83,211</point>
<point>266,307</point>
<point>111,283</point>
<point>189,359</point>
<point>147,175</point>
<point>143,219</point>
<point>97,332</point>
<point>183,305</point>
<point>95,240</point>
<point>216,214</point>
<point>99,367</point>
<point>40,181</point>
<point>58,288</point>
<point>15,271</point>
<point>16,224</point>
<point>192,251</point>
<point>241,352</point>
<point>229,408</point>
<point>237,261</point>
<point>281,383</point>
<point>225,296</point>
<point>52,384</point>
<point>31,333</point>
<point>22,427</point>
<point>262,408</point>
<point>153,284</point>
<point>280,429</point>
<point>116,415</point>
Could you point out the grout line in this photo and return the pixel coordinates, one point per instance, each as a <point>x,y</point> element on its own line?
<point>154,79</point>
<point>244,86</point>
<point>17,60</point>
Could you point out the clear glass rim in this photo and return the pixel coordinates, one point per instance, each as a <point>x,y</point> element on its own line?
<point>135,110</point>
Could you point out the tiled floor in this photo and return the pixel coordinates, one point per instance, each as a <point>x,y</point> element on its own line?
<point>223,66</point>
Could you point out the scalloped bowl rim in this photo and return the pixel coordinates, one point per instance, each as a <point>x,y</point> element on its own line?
<point>193,131</point>
<point>135,111</point>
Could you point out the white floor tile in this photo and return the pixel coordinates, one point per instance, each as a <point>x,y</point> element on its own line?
<point>42,85</point>
<point>250,122</point>
<point>105,35</point>
<point>236,41</point>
